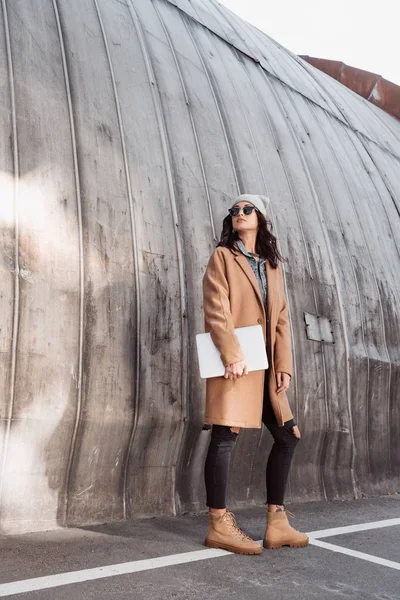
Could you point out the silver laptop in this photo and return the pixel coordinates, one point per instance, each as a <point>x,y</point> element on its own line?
<point>251,341</point>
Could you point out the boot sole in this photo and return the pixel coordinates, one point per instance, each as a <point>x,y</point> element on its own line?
<point>278,546</point>
<point>212,544</point>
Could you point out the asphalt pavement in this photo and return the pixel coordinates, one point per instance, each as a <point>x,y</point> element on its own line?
<point>148,559</point>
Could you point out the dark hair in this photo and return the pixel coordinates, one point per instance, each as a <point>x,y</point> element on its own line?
<point>265,242</point>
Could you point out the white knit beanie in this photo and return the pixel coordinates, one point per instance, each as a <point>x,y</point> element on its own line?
<point>260,202</point>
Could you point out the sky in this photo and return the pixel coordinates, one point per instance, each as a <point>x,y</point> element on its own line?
<point>360,33</point>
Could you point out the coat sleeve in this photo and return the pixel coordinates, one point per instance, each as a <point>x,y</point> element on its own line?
<point>283,361</point>
<point>217,315</point>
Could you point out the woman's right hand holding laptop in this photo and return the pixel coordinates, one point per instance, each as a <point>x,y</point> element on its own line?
<point>235,370</point>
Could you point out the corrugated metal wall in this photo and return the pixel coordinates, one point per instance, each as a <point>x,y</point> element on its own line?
<point>127,128</point>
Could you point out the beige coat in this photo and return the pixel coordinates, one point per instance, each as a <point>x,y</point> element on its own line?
<point>231,298</point>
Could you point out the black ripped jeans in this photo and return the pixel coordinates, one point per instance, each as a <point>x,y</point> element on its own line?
<point>219,454</point>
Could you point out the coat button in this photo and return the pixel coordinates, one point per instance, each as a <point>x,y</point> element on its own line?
<point>259,320</point>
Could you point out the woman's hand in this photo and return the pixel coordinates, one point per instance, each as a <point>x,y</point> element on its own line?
<point>282,381</point>
<point>235,370</point>
<point>296,432</point>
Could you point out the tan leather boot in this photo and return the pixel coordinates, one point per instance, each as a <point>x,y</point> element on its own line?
<point>280,533</point>
<point>224,533</point>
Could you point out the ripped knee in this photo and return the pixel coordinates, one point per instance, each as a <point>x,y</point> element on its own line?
<point>235,429</point>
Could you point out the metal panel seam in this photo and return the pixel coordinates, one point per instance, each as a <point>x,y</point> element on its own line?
<point>172,196</point>
<point>135,260</point>
<point>216,101</point>
<point>379,296</point>
<point>340,299</point>
<point>196,138</point>
<point>15,329</point>
<point>350,258</point>
<point>361,138</point>
<point>81,262</point>
<point>348,252</point>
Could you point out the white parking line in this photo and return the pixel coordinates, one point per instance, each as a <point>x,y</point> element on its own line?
<point>374,559</point>
<point>323,533</point>
<point>51,581</point>
<point>60,579</point>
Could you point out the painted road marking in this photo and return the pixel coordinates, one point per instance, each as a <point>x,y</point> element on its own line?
<point>51,581</point>
<point>323,533</point>
<point>362,555</point>
<point>60,579</point>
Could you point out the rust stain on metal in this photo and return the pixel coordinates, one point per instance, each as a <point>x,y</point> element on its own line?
<point>372,87</point>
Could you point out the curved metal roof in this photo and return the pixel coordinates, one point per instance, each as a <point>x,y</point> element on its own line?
<point>127,128</point>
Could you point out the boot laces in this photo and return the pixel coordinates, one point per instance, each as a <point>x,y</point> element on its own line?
<point>291,515</point>
<point>236,531</point>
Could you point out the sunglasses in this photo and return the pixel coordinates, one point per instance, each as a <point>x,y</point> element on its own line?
<point>247,210</point>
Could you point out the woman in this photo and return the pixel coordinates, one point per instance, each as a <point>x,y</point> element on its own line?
<point>242,286</point>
